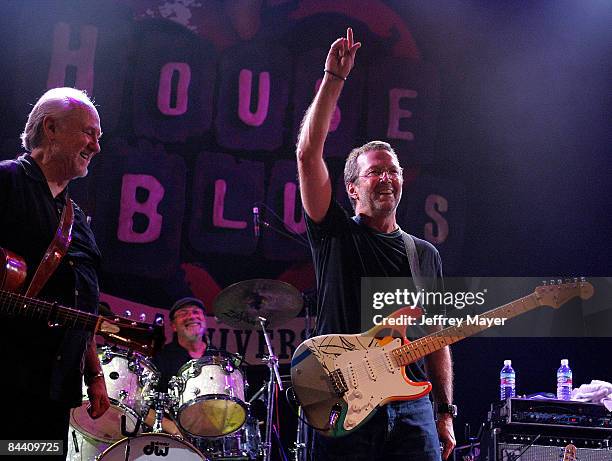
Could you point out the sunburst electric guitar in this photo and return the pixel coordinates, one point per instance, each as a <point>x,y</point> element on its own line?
<point>139,336</point>
<point>339,380</point>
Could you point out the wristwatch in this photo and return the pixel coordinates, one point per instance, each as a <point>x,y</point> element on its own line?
<point>447,408</point>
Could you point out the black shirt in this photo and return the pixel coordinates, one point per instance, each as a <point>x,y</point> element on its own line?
<point>344,250</point>
<point>171,358</point>
<point>44,362</point>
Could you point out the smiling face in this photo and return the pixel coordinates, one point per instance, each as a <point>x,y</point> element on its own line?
<point>378,189</point>
<point>189,323</point>
<point>75,140</point>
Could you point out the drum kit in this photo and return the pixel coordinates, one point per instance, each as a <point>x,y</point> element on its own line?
<point>206,402</point>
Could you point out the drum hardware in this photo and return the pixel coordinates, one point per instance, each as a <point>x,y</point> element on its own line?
<point>300,446</point>
<point>124,430</point>
<point>159,401</point>
<point>274,380</point>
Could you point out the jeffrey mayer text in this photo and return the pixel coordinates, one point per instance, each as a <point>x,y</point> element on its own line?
<point>439,320</point>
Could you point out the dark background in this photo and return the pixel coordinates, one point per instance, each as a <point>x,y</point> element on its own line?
<point>521,139</point>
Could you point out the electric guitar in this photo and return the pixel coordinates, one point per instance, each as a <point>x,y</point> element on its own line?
<point>139,336</point>
<point>569,453</point>
<point>340,380</point>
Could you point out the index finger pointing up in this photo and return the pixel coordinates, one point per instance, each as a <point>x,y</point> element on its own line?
<point>349,37</point>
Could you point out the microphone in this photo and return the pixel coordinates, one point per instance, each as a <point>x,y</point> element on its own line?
<point>256,221</point>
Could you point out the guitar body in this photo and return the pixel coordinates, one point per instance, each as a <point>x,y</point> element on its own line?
<point>13,271</point>
<point>337,403</point>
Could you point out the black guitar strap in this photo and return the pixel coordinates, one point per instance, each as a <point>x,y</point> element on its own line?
<point>413,260</point>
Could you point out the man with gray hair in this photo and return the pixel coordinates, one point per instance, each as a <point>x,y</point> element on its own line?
<point>370,244</point>
<point>44,366</point>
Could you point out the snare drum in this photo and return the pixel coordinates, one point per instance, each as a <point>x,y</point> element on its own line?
<point>129,377</point>
<point>152,447</point>
<point>210,396</point>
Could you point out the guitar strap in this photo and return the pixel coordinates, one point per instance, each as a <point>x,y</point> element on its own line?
<point>56,251</point>
<point>413,260</point>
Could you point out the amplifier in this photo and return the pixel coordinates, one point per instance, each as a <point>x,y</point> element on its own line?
<point>506,445</point>
<point>551,413</point>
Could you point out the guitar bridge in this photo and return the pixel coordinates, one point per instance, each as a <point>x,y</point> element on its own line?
<point>338,382</point>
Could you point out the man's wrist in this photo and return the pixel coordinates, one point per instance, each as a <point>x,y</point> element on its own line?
<point>334,75</point>
<point>90,378</point>
<point>447,409</point>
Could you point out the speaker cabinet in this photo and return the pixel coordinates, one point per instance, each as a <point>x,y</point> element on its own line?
<point>505,445</point>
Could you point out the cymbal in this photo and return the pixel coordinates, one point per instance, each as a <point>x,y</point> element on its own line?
<point>240,305</point>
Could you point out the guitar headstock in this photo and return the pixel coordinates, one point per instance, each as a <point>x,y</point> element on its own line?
<point>146,338</point>
<point>555,294</point>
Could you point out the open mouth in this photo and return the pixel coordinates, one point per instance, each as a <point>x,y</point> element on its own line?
<point>85,155</point>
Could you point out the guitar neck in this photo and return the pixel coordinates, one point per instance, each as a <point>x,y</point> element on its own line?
<point>421,347</point>
<point>17,305</point>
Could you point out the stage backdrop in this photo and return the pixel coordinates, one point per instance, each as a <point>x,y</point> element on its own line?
<point>500,112</point>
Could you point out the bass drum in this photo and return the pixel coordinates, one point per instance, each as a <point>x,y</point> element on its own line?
<point>129,378</point>
<point>244,444</point>
<point>82,448</point>
<point>152,447</point>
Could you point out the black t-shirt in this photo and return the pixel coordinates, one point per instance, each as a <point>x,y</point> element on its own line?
<point>171,358</point>
<point>344,251</point>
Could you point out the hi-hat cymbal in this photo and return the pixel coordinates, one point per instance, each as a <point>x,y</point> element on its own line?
<point>240,305</point>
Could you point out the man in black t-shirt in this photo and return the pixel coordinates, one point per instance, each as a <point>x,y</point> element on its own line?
<point>369,245</point>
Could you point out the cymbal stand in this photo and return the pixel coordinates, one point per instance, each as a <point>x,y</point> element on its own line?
<point>299,446</point>
<point>272,362</point>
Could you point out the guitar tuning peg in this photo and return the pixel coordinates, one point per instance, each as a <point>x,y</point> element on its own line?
<point>575,279</point>
<point>552,282</point>
<point>559,282</point>
<point>582,279</point>
<point>142,317</point>
<point>128,313</point>
<point>544,282</point>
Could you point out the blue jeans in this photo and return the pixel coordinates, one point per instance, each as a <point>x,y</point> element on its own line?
<point>403,431</point>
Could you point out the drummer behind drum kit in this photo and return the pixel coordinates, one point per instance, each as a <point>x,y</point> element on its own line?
<point>207,399</point>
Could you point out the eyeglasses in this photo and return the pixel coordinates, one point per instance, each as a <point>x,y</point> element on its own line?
<point>377,174</point>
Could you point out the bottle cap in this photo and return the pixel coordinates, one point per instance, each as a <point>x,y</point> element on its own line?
<point>564,362</point>
<point>507,362</point>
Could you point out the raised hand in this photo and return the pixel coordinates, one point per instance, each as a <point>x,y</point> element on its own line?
<point>341,57</point>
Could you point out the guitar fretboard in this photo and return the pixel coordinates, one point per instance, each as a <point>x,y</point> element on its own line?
<point>421,347</point>
<point>17,305</point>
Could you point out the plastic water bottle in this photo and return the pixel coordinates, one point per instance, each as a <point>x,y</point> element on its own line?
<point>564,381</point>
<point>507,381</point>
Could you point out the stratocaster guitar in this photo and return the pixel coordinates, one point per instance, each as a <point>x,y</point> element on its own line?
<point>139,336</point>
<point>339,380</point>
